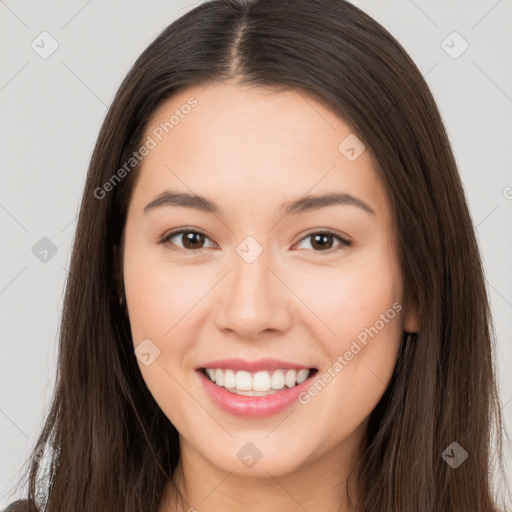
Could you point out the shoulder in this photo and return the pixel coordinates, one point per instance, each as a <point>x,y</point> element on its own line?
<point>21,506</point>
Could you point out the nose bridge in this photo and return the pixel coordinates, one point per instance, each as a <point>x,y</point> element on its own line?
<point>251,301</point>
<point>251,277</point>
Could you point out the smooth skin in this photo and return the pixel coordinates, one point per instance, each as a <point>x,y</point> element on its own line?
<point>251,150</point>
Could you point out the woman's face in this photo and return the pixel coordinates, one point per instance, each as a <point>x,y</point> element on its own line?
<point>260,284</point>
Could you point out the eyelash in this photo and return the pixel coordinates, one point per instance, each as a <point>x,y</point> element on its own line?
<point>343,242</point>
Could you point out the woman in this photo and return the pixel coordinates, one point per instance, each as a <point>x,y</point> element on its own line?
<point>321,339</point>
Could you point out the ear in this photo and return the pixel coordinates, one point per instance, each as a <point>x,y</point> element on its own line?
<point>411,316</point>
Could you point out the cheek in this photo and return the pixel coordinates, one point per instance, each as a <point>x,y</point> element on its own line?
<point>362,305</point>
<point>160,297</point>
<point>160,303</point>
<point>351,296</point>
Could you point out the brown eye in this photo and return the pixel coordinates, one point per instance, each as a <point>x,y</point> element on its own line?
<point>191,240</point>
<point>322,241</point>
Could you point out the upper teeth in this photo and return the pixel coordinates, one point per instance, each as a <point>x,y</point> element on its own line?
<point>258,381</point>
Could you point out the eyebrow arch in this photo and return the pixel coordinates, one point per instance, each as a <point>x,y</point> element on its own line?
<point>307,203</point>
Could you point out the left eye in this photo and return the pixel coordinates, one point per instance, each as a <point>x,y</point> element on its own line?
<point>322,239</point>
<point>194,239</point>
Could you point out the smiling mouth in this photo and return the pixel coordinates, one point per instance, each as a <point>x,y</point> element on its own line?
<point>261,383</point>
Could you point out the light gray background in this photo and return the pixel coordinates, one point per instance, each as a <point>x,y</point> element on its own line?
<point>52,110</point>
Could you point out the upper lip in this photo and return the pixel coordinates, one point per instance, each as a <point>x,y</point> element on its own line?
<point>252,366</point>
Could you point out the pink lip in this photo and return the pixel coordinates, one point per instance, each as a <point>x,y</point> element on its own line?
<point>253,406</point>
<point>252,366</point>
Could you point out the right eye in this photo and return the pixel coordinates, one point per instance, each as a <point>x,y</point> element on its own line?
<point>192,241</point>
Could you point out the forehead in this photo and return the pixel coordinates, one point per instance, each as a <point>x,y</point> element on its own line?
<point>239,141</point>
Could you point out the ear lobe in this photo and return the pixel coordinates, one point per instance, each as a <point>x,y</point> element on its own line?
<point>411,317</point>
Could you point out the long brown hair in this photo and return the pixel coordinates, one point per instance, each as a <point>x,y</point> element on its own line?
<point>109,445</point>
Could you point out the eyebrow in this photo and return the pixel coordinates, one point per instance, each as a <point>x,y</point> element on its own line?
<point>304,204</point>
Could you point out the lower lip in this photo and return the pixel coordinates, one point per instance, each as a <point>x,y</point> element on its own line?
<point>253,406</point>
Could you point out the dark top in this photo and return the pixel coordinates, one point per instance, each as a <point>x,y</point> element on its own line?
<point>21,506</point>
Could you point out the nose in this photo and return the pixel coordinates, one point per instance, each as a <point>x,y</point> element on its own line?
<point>253,300</point>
